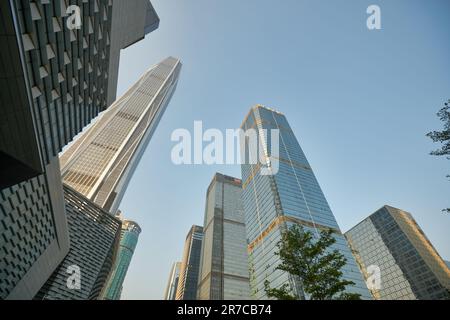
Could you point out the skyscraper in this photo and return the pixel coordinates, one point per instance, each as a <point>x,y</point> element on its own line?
<point>128,242</point>
<point>172,284</point>
<point>390,241</point>
<point>94,235</point>
<point>190,265</point>
<point>55,78</point>
<point>101,162</point>
<point>132,21</point>
<point>224,271</point>
<point>110,151</point>
<point>273,202</point>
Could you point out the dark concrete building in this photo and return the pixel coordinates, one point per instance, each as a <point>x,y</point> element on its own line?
<point>54,79</point>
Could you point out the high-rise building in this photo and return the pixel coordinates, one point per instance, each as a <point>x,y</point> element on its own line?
<point>101,162</point>
<point>55,78</point>
<point>172,284</point>
<point>285,193</point>
<point>128,242</point>
<point>91,255</point>
<point>132,21</point>
<point>190,265</point>
<point>224,271</point>
<point>110,151</point>
<point>391,244</point>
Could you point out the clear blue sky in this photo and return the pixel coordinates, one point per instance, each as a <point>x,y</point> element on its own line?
<point>360,102</point>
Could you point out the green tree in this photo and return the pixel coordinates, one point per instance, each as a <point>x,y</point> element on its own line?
<point>443,136</point>
<point>309,258</point>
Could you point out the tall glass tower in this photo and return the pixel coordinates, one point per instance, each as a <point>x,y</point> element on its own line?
<point>410,267</point>
<point>172,284</point>
<point>273,202</point>
<point>101,162</point>
<point>128,242</point>
<point>224,264</point>
<point>190,265</point>
<point>54,80</point>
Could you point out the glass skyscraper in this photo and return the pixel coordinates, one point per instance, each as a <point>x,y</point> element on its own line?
<point>53,81</point>
<point>107,153</point>
<point>128,242</point>
<point>224,263</point>
<point>273,202</point>
<point>100,163</point>
<point>172,284</point>
<point>409,265</point>
<point>190,265</point>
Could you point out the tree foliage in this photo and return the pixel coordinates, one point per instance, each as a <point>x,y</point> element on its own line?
<point>309,259</point>
<point>282,293</point>
<point>443,136</point>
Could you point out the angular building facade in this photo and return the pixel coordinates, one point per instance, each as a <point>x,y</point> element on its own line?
<point>101,162</point>
<point>224,271</point>
<point>128,242</point>
<point>110,149</point>
<point>287,193</point>
<point>54,80</point>
<point>410,267</point>
<point>190,265</point>
<point>132,21</point>
<point>91,254</point>
<point>172,284</point>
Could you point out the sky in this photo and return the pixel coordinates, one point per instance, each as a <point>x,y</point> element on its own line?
<point>360,103</point>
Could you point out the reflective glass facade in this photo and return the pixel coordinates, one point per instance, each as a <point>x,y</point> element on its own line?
<point>172,284</point>
<point>101,162</point>
<point>273,202</point>
<point>190,265</point>
<point>128,242</point>
<point>410,267</point>
<point>53,81</point>
<point>224,266</point>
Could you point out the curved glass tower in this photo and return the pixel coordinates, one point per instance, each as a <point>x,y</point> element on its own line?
<point>172,284</point>
<point>101,162</point>
<point>128,241</point>
<point>289,194</point>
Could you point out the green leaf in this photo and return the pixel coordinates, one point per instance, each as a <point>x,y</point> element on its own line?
<point>308,257</point>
